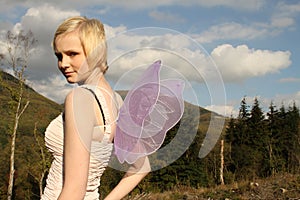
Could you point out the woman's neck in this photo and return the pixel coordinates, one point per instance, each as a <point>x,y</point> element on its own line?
<point>95,78</point>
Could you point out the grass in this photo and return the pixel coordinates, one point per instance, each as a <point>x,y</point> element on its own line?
<point>281,186</point>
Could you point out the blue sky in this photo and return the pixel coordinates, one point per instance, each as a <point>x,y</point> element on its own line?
<point>254,44</point>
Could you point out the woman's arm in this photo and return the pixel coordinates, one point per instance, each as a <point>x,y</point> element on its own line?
<point>131,179</point>
<point>77,130</point>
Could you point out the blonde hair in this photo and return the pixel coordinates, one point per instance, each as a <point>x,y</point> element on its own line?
<point>92,36</point>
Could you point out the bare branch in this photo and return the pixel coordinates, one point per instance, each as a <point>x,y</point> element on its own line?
<point>24,108</point>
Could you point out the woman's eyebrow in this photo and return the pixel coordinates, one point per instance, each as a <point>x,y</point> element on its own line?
<point>71,50</point>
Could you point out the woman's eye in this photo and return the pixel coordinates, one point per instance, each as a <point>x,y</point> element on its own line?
<point>71,54</point>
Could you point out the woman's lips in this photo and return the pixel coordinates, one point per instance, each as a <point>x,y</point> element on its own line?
<point>68,73</point>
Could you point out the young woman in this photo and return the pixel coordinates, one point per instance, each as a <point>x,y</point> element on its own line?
<point>81,138</point>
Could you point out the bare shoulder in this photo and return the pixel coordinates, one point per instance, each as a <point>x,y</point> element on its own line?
<point>79,94</point>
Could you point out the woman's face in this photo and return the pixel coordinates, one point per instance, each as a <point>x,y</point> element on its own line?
<point>71,57</point>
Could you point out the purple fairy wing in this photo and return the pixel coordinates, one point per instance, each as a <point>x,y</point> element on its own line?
<point>150,109</point>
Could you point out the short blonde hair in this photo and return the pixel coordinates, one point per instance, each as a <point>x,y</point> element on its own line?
<point>92,36</point>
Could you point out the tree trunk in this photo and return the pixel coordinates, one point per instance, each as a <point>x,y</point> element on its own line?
<point>13,143</point>
<point>44,162</point>
<point>12,158</point>
<point>271,162</point>
<point>222,162</point>
<point>12,154</point>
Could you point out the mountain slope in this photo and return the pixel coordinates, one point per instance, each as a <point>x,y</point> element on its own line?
<point>28,158</point>
<point>41,111</point>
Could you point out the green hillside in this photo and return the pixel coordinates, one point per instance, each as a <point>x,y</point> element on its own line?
<point>27,156</point>
<point>40,109</point>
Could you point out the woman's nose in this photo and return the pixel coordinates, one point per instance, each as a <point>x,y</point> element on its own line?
<point>64,62</point>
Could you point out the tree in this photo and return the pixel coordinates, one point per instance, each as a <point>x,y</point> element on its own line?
<point>244,158</point>
<point>241,128</point>
<point>258,139</point>
<point>276,127</point>
<point>222,162</point>
<point>230,137</point>
<point>256,113</point>
<point>273,128</point>
<point>244,110</point>
<point>293,133</point>
<point>241,137</point>
<point>18,49</point>
<point>42,165</point>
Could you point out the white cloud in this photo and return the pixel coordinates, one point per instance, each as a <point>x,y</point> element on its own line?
<point>236,4</point>
<point>288,9</point>
<point>225,110</point>
<point>281,22</point>
<point>284,15</point>
<point>236,64</point>
<point>143,46</point>
<point>55,87</point>
<point>111,32</point>
<point>232,31</point>
<point>289,80</point>
<point>42,21</point>
<point>166,17</point>
<point>137,4</point>
<point>237,31</point>
<point>239,63</point>
<point>103,11</point>
<point>287,99</point>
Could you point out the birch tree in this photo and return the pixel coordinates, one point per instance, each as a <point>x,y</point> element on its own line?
<point>43,162</point>
<point>18,47</point>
